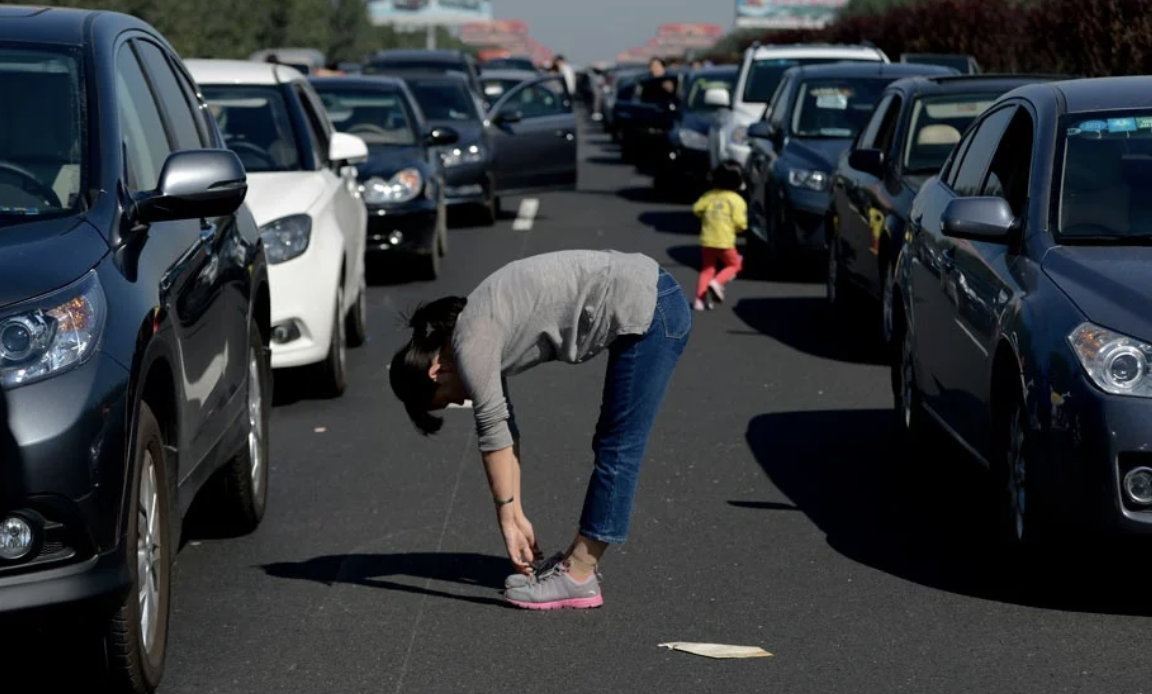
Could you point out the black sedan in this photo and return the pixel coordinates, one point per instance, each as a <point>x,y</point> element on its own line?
<point>912,131</point>
<point>687,159</point>
<point>402,183</point>
<point>814,116</point>
<point>134,330</point>
<point>1021,307</point>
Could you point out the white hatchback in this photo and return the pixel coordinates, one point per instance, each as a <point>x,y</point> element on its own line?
<point>302,189</point>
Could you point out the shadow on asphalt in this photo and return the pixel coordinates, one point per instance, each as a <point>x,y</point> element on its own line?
<point>671,221</point>
<point>804,323</point>
<point>927,521</point>
<point>607,160</point>
<point>763,505</point>
<point>374,570</point>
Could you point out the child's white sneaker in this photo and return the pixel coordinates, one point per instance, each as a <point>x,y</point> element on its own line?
<point>699,305</point>
<point>716,290</point>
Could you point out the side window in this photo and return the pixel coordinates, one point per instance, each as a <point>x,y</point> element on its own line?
<point>141,127</point>
<point>540,100</point>
<point>879,116</point>
<point>199,109</point>
<point>315,126</point>
<point>172,99</point>
<point>1011,170</point>
<point>778,106</point>
<point>888,125</point>
<point>970,173</point>
<point>776,95</point>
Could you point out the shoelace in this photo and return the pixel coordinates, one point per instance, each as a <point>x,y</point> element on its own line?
<point>554,565</point>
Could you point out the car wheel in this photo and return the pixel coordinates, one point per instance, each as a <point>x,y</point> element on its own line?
<point>243,491</point>
<point>334,368</point>
<point>357,319</point>
<point>1019,513</point>
<point>832,284</point>
<point>137,638</point>
<point>888,275</point>
<point>906,392</point>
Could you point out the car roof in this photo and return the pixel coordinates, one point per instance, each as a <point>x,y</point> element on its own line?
<point>382,82</point>
<point>509,74</point>
<point>211,71</point>
<point>716,70</point>
<point>446,56</point>
<point>967,84</point>
<point>816,50</point>
<point>869,69</point>
<point>1104,93</point>
<point>427,76</point>
<point>55,24</point>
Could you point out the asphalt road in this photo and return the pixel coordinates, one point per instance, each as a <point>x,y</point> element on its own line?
<point>770,512</point>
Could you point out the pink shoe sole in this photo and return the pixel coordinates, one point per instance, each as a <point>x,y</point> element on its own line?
<point>573,603</point>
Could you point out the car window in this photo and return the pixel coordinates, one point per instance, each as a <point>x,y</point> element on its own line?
<point>495,88</point>
<point>315,122</point>
<point>778,106</point>
<point>887,131</point>
<point>936,125</point>
<point>868,134</point>
<point>380,118</point>
<point>1010,173</point>
<point>765,75</point>
<point>978,154</point>
<point>255,124</point>
<point>444,101</point>
<point>539,100</point>
<point>145,142</point>
<point>170,96</point>
<point>835,108</point>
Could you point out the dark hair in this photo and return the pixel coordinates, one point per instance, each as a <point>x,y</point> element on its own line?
<point>272,58</point>
<point>727,176</point>
<point>655,59</point>
<point>432,325</point>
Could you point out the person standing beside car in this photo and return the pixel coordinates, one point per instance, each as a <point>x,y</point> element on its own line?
<point>566,72</point>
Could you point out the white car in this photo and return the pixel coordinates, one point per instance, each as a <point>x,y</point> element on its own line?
<point>302,189</point>
<point>759,76</point>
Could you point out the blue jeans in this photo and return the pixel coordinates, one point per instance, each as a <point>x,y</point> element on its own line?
<point>639,369</point>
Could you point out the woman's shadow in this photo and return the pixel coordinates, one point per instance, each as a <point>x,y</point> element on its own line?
<point>375,570</point>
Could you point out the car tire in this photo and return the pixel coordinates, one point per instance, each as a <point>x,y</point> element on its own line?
<point>1021,524</point>
<point>910,415</point>
<point>836,293</point>
<point>136,651</point>
<point>356,329</point>
<point>334,368</point>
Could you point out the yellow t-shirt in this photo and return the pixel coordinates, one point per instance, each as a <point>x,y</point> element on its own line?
<point>723,214</point>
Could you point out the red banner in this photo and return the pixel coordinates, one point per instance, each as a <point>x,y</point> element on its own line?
<point>713,31</point>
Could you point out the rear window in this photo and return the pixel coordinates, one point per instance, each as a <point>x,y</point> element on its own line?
<point>443,101</point>
<point>379,118</point>
<point>936,125</point>
<point>764,75</point>
<point>836,108</point>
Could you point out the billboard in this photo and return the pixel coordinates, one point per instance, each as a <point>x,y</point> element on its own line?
<point>786,14</point>
<point>428,12</point>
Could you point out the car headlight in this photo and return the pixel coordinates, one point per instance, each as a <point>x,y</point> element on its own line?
<point>693,140</point>
<point>286,238</point>
<point>1116,363</point>
<point>403,186</point>
<point>812,180</point>
<point>739,135</point>
<point>52,334</point>
<point>456,156</point>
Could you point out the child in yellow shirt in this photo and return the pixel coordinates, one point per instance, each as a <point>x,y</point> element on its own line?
<point>723,213</point>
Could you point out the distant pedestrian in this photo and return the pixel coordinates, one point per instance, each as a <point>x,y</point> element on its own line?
<point>723,214</point>
<point>566,306</point>
<point>566,71</point>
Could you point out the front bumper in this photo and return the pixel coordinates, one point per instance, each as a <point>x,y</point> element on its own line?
<point>403,229</point>
<point>303,303</point>
<point>467,184</point>
<point>71,430</point>
<point>689,164</point>
<point>802,215</point>
<point>1094,440</point>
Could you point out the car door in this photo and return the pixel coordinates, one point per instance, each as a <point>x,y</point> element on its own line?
<point>855,195</point>
<point>185,253</point>
<point>985,280</point>
<point>533,129</point>
<point>934,282</point>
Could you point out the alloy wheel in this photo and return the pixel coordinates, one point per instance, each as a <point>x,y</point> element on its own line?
<point>833,270</point>
<point>907,379</point>
<point>338,337</point>
<point>148,555</point>
<point>886,307</point>
<point>1017,471</point>
<point>255,425</point>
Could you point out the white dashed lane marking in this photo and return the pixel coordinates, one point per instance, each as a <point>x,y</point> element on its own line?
<point>527,214</point>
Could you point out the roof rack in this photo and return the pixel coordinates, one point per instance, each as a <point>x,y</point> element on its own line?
<point>1000,76</point>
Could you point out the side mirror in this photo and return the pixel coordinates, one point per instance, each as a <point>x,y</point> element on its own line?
<point>978,219</point>
<point>760,130</point>
<point>508,117</point>
<point>195,184</point>
<point>869,161</point>
<point>443,136</point>
<point>720,98</point>
<point>347,148</point>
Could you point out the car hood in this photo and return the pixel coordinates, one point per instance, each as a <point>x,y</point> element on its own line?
<point>818,153</point>
<point>386,161</point>
<point>470,132</point>
<point>1110,285</point>
<point>278,194</point>
<point>40,257</point>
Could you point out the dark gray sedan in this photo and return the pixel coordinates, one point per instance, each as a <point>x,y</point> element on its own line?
<point>1021,306</point>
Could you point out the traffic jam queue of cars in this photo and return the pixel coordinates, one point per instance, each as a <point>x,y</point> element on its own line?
<point>171,234</point>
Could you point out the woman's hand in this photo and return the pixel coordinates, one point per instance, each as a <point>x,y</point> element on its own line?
<point>529,534</point>
<point>520,550</point>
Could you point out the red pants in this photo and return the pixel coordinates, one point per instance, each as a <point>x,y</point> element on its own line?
<point>728,257</point>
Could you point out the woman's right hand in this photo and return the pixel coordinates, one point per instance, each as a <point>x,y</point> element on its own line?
<point>519,547</point>
<point>529,534</point>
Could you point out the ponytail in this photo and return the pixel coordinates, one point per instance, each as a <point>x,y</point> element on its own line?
<point>432,326</point>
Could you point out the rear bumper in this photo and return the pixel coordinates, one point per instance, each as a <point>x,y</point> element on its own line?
<point>467,184</point>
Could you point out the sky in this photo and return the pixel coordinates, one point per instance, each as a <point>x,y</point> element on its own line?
<point>585,31</point>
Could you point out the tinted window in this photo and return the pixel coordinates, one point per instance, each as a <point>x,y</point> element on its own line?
<point>835,108</point>
<point>379,118</point>
<point>539,100</point>
<point>255,124</point>
<point>1011,169</point>
<point>935,127</point>
<point>1105,175</point>
<point>444,101</point>
<point>510,64</point>
<point>145,141</point>
<point>764,75</point>
<point>170,94</point>
<point>317,125</point>
<point>970,174</point>
<point>879,116</point>
<point>41,132</point>
<point>698,86</point>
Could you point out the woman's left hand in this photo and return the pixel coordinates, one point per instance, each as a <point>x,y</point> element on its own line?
<point>529,534</point>
<point>518,546</point>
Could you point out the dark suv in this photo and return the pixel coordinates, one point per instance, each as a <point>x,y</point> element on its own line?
<point>134,329</point>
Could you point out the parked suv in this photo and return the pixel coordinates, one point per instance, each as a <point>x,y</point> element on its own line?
<point>134,328</point>
<point>760,75</point>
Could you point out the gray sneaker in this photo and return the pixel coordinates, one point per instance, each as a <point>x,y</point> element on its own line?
<point>538,567</point>
<point>554,590</point>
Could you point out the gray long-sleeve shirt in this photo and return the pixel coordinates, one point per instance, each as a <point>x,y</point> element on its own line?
<point>566,306</point>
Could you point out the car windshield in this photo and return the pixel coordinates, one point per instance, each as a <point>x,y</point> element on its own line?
<point>255,123</point>
<point>936,126</point>
<point>957,62</point>
<point>378,117</point>
<point>764,75</point>
<point>42,132</point>
<point>700,85</point>
<point>444,101</point>
<point>1104,174</point>
<point>835,108</point>
<point>510,64</point>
